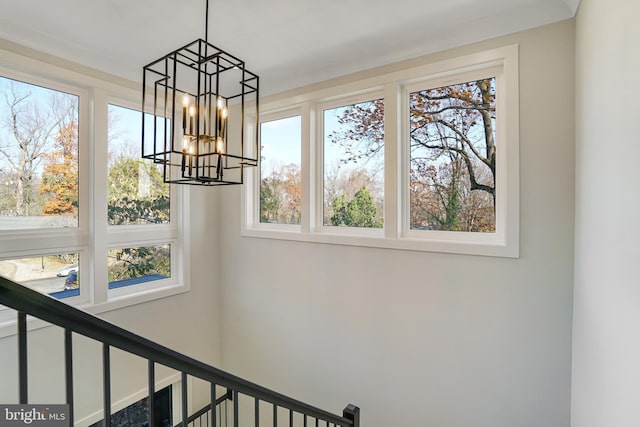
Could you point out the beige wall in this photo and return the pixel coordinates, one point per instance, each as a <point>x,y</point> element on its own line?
<point>606,348</point>
<point>417,338</point>
<point>413,338</point>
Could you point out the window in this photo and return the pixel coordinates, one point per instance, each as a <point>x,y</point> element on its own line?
<point>452,156</point>
<point>38,157</point>
<point>56,275</point>
<point>280,171</point>
<point>134,265</point>
<point>353,154</point>
<point>138,208</point>
<point>43,209</point>
<point>136,191</point>
<point>80,228</point>
<point>422,158</point>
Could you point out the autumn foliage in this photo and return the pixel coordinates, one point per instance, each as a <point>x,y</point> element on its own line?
<point>60,174</point>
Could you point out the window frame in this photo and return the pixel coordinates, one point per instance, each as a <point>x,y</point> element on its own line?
<point>254,176</point>
<point>394,86</point>
<point>45,241</point>
<point>135,235</point>
<point>93,236</point>
<point>458,237</point>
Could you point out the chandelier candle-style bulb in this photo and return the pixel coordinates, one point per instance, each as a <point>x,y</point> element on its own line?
<point>200,115</point>
<point>185,104</point>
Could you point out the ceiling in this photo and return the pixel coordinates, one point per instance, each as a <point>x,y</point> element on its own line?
<point>288,43</point>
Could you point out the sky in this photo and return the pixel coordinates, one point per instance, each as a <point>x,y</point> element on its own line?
<point>281,141</point>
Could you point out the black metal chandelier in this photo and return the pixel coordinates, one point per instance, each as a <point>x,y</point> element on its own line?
<point>194,104</point>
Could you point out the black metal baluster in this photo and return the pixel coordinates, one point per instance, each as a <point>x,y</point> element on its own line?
<point>152,394</point>
<point>185,415</point>
<point>106,379</point>
<point>68,367</point>
<point>235,408</point>
<point>290,418</point>
<point>317,422</point>
<point>305,420</point>
<point>22,358</point>
<point>213,405</point>
<point>275,415</point>
<point>257,412</point>
<point>220,413</point>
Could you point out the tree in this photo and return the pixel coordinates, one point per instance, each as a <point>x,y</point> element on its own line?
<point>344,183</point>
<point>444,201</point>
<point>361,134</point>
<point>452,153</point>
<point>457,119</point>
<point>130,263</point>
<point>60,174</point>
<point>360,211</point>
<point>30,131</point>
<point>137,193</point>
<point>280,195</point>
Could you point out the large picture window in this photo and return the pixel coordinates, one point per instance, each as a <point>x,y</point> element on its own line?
<point>38,157</point>
<point>80,228</point>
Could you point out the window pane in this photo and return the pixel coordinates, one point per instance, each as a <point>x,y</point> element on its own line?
<point>453,157</point>
<point>280,177</point>
<point>133,265</point>
<point>136,193</point>
<point>354,165</point>
<point>38,157</point>
<point>56,275</point>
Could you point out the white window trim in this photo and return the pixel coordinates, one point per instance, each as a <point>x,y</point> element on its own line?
<point>93,237</point>
<point>503,243</point>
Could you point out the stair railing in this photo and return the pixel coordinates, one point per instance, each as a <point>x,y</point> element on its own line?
<point>28,302</point>
<point>202,416</point>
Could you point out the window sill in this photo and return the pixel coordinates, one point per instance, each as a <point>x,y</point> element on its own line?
<point>465,244</point>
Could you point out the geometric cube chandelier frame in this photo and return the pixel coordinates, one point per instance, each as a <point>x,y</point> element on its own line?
<point>194,104</point>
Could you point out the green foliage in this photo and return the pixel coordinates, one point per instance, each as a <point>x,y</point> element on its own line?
<point>129,263</point>
<point>138,211</point>
<point>452,209</point>
<point>358,212</point>
<point>452,153</point>
<point>137,193</point>
<point>269,200</point>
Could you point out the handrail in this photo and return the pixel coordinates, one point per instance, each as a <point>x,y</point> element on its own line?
<point>46,308</point>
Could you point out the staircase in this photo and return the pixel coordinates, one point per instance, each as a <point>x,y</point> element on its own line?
<point>260,406</point>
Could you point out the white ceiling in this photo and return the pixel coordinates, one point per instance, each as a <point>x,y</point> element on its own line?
<point>288,43</point>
